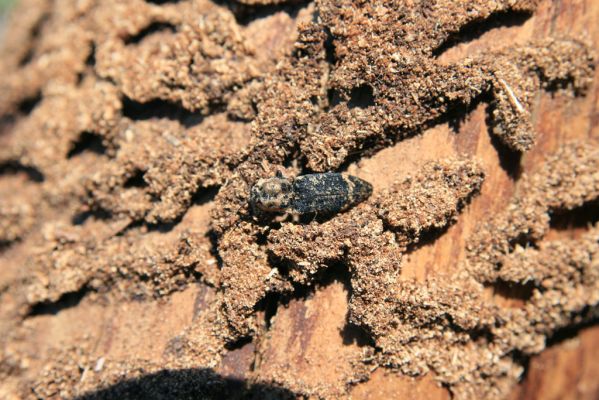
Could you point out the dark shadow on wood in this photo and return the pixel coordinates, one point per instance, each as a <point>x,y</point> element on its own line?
<point>246,14</point>
<point>153,28</point>
<point>88,141</point>
<point>476,28</point>
<point>136,180</point>
<point>97,214</point>
<point>513,290</point>
<point>354,334</point>
<point>577,218</point>
<point>14,167</point>
<point>361,97</point>
<point>588,317</point>
<point>34,37</point>
<point>157,108</point>
<point>28,104</point>
<point>509,160</point>
<point>67,300</point>
<point>192,383</point>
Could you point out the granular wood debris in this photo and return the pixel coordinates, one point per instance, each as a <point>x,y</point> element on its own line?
<point>136,378</point>
<point>16,216</point>
<point>134,267</point>
<point>119,120</point>
<point>567,180</point>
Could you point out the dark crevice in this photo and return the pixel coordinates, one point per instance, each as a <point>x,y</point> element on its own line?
<point>238,344</point>
<point>426,238</point>
<point>334,96</point>
<point>588,317</point>
<point>33,38</point>
<point>476,334</point>
<point>300,292</point>
<point>329,47</point>
<point>337,271</point>
<point>160,227</point>
<point>66,300</point>
<point>136,180</point>
<point>448,388</point>
<point>523,240</point>
<point>270,309</point>
<point>90,61</point>
<point>314,100</point>
<point>97,214</point>
<point>80,77</point>
<point>262,238</point>
<point>361,97</point>
<point>192,383</point>
<point>476,28</point>
<point>205,195</point>
<point>154,27</point>
<point>246,14</point>
<point>27,105</point>
<point>356,335</point>
<point>513,290</point>
<point>213,237</point>
<point>5,245</point>
<point>27,57</point>
<point>190,276</point>
<point>14,167</point>
<point>555,85</point>
<point>522,359</point>
<point>281,264</point>
<point>577,218</point>
<point>157,108</point>
<point>510,160</point>
<point>352,334</point>
<point>460,112</point>
<point>482,333</point>
<point>88,141</point>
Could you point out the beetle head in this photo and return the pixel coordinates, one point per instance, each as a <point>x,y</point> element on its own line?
<point>272,194</point>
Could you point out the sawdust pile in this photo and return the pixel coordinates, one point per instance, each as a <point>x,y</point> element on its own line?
<point>118,119</point>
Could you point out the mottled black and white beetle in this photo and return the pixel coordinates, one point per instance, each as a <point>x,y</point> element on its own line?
<point>322,194</point>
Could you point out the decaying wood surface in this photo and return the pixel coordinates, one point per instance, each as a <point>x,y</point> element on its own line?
<point>130,265</point>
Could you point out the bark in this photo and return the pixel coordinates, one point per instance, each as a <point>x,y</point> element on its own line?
<point>133,266</point>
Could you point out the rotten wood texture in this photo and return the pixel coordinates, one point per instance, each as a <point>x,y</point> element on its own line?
<point>305,334</point>
<point>568,368</point>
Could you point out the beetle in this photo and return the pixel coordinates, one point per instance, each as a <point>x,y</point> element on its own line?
<point>323,194</point>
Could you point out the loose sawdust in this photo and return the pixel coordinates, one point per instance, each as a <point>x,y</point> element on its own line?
<point>116,117</point>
